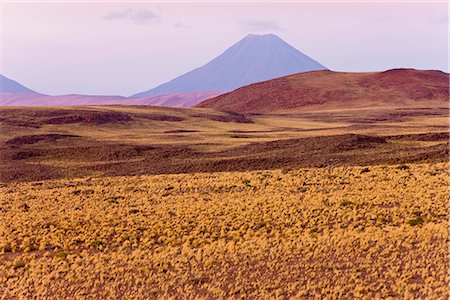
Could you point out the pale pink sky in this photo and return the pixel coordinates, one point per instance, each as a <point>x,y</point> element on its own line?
<point>86,47</point>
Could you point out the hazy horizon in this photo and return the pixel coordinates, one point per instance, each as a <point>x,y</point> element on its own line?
<point>126,48</point>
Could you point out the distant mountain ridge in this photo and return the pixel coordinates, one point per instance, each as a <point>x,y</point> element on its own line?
<point>397,86</point>
<point>34,99</point>
<point>13,93</point>
<point>10,86</point>
<point>253,59</point>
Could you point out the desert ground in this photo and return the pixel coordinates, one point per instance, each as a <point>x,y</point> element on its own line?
<point>134,202</point>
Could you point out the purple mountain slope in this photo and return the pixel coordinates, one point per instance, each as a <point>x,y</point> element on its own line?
<point>10,86</point>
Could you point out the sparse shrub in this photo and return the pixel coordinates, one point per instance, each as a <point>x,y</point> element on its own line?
<point>134,211</point>
<point>114,199</point>
<point>61,255</point>
<point>19,265</point>
<point>29,248</point>
<point>417,213</point>
<point>265,176</point>
<point>168,190</point>
<point>416,221</point>
<point>260,224</point>
<point>131,189</point>
<point>365,170</point>
<point>24,207</point>
<point>97,244</point>
<point>314,230</point>
<point>88,192</point>
<point>346,203</point>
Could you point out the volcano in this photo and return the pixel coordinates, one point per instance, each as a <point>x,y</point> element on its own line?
<point>253,59</point>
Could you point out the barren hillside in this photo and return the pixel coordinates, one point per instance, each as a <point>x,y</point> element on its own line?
<point>393,87</point>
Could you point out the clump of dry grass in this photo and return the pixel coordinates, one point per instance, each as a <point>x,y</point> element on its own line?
<point>326,233</point>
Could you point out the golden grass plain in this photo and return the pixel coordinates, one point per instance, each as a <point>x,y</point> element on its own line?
<point>376,232</point>
<point>39,143</point>
<point>199,131</point>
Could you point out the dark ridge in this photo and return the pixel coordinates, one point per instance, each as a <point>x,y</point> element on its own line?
<point>102,152</point>
<point>230,117</point>
<point>160,118</point>
<point>19,123</point>
<point>20,171</point>
<point>32,139</point>
<point>17,154</point>
<point>424,137</point>
<point>321,143</point>
<point>180,131</point>
<point>91,117</point>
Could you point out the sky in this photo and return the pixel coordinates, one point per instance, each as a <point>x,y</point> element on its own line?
<point>122,48</point>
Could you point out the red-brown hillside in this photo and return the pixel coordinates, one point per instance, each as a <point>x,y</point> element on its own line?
<point>397,86</point>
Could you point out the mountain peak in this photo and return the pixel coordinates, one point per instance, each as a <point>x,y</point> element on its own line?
<point>253,59</point>
<point>261,36</point>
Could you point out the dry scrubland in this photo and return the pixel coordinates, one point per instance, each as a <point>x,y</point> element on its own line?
<point>319,233</point>
<point>43,143</point>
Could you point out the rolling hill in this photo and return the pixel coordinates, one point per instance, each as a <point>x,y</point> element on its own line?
<point>34,99</point>
<point>397,86</point>
<point>253,59</point>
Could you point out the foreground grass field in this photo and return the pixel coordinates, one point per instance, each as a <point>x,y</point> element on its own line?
<point>373,232</point>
